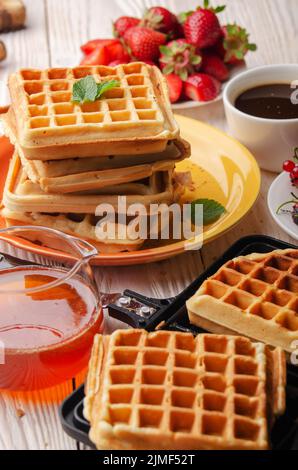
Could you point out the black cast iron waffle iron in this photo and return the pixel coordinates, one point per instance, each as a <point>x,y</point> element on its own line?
<point>143,312</point>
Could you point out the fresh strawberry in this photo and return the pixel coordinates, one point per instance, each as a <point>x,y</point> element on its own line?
<point>201,87</point>
<point>144,43</point>
<point>90,46</point>
<point>123,24</point>
<point>160,19</point>
<point>179,57</point>
<point>213,65</point>
<point>234,44</point>
<point>107,52</point>
<point>175,85</point>
<point>100,56</point>
<point>178,31</point>
<point>118,52</point>
<point>149,62</point>
<point>202,28</point>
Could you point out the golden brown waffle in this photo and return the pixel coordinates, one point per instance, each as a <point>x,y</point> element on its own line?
<point>255,296</point>
<point>176,151</point>
<point>168,390</point>
<point>109,181</point>
<point>22,195</point>
<point>133,118</point>
<point>78,225</point>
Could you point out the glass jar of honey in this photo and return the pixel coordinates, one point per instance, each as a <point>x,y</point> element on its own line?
<point>49,309</point>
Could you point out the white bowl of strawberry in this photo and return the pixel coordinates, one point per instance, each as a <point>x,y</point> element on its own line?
<point>196,53</point>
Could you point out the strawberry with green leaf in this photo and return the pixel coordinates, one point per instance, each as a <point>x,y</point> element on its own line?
<point>160,19</point>
<point>202,27</point>
<point>123,24</point>
<point>179,57</point>
<point>234,44</point>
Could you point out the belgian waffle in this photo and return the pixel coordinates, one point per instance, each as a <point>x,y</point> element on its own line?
<point>255,296</point>
<point>36,170</point>
<point>78,225</point>
<point>114,181</point>
<point>175,151</point>
<point>134,118</point>
<point>168,390</point>
<point>22,195</point>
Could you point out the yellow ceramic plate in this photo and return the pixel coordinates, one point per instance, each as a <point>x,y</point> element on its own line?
<point>222,169</point>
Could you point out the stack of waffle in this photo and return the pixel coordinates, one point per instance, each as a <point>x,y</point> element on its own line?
<point>69,158</point>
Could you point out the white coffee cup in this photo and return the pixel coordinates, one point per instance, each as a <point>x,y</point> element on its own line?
<point>270,140</point>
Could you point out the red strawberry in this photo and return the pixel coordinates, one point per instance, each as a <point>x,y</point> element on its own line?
<point>175,85</point>
<point>149,62</point>
<point>144,43</point>
<point>202,27</point>
<point>160,19</point>
<point>118,52</point>
<point>124,23</point>
<point>178,31</point>
<point>179,57</point>
<point>234,44</point>
<point>90,46</point>
<point>100,56</point>
<point>201,87</point>
<point>213,65</point>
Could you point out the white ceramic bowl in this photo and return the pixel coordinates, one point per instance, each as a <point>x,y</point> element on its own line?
<point>270,140</point>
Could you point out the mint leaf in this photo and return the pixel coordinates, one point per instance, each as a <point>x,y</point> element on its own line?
<point>212,210</point>
<point>85,90</point>
<point>105,86</point>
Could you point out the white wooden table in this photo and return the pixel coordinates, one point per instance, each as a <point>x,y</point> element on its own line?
<point>55,30</point>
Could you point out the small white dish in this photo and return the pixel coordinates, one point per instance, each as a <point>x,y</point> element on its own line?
<point>280,192</point>
<point>271,141</point>
<point>196,104</point>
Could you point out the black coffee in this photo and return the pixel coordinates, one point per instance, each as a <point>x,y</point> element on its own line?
<point>272,101</point>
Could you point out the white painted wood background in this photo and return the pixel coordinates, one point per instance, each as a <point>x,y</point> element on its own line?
<point>55,30</point>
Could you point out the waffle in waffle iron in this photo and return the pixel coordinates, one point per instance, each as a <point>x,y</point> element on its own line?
<point>168,390</point>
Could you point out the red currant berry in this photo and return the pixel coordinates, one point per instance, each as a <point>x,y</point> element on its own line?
<point>288,166</point>
<point>294,176</point>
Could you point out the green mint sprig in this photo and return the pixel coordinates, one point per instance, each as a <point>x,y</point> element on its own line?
<point>212,210</point>
<point>87,90</point>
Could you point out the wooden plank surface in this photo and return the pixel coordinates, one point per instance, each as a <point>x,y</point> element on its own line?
<point>55,30</point>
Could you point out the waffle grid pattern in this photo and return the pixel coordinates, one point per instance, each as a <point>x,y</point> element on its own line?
<point>49,94</point>
<point>211,387</point>
<point>265,287</point>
